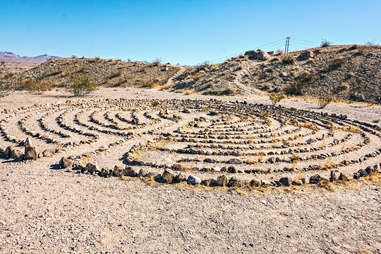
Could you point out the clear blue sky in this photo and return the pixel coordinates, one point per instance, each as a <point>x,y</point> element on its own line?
<point>184,31</point>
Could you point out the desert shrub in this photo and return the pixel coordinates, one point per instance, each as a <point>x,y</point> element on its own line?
<point>155,103</point>
<point>36,86</point>
<point>276,98</point>
<point>325,43</point>
<point>81,85</point>
<point>156,62</point>
<point>288,59</point>
<point>152,83</point>
<point>323,101</point>
<point>301,82</point>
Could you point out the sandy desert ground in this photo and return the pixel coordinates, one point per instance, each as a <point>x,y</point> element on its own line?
<point>44,209</point>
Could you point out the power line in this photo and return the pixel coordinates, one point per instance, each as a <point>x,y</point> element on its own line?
<point>287,46</point>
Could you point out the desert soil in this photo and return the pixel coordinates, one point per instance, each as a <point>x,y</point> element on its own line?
<point>45,210</point>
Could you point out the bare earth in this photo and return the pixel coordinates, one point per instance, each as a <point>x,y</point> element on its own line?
<point>43,210</point>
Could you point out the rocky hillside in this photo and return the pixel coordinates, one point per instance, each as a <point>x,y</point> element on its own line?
<point>16,63</point>
<point>105,72</point>
<point>350,72</point>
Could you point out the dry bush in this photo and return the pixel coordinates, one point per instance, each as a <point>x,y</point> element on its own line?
<point>36,86</point>
<point>301,82</point>
<point>324,101</point>
<point>151,83</point>
<point>288,59</point>
<point>325,44</point>
<point>81,85</point>
<point>276,98</point>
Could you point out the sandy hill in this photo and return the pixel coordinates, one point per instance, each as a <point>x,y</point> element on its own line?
<point>350,72</point>
<point>106,72</point>
<point>346,72</point>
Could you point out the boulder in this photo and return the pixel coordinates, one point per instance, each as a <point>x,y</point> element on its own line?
<point>255,183</point>
<point>48,152</point>
<point>167,176</point>
<point>91,168</point>
<point>193,180</point>
<point>334,175</point>
<point>206,182</point>
<point>234,182</point>
<point>128,171</point>
<point>343,177</point>
<point>65,162</point>
<point>315,179</point>
<point>222,180</point>
<point>30,153</point>
<point>179,178</point>
<point>143,172</point>
<point>257,55</point>
<point>285,181</point>
<point>117,171</point>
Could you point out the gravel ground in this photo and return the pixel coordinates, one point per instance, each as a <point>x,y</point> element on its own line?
<point>53,211</point>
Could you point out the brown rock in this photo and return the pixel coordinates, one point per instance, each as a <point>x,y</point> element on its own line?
<point>222,180</point>
<point>128,171</point>
<point>91,168</point>
<point>48,152</point>
<point>167,176</point>
<point>117,171</point>
<point>65,162</point>
<point>30,153</point>
<point>335,175</point>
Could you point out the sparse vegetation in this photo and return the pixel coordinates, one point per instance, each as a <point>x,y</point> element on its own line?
<point>151,83</point>
<point>324,101</point>
<point>80,85</point>
<point>36,86</point>
<point>325,43</point>
<point>303,81</point>
<point>276,98</point>
<point>288,59</point>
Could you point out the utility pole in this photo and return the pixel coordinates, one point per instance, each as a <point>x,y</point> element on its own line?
<point>287,46</point>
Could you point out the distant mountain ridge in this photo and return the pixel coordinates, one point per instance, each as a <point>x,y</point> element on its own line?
<point>10,57</point>
<point>17,63</point>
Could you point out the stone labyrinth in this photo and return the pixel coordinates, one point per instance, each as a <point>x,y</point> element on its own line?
<point>212,143</point>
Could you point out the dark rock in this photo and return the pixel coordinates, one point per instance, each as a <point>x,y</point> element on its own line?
<point>334,176</point>
<point>167,176</point>
<point>234,182</point>
<point>30,153</point>
<point>315,179</point>
<point>91,168</point>
<point>255,183</point>
<point>285,181</point>
<point>65,162</point>
<point>343,177</point>
<point>117,171</point>
<point>129,171</point>
<point>232,169</point>
<point>206,182</point>
<point>257,55</point>
<point>222,180</point>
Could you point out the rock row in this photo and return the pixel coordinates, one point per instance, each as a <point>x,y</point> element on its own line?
<point>212,143</point>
